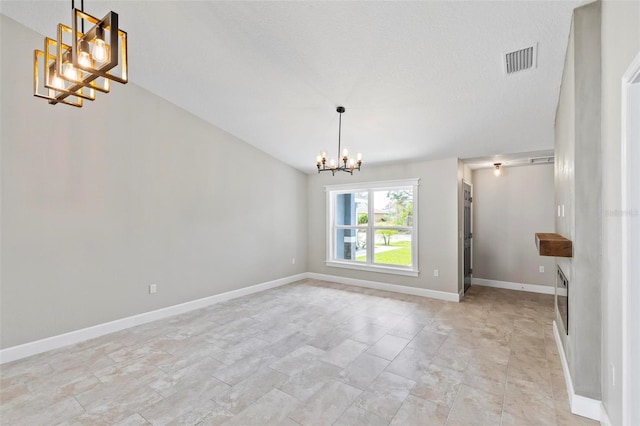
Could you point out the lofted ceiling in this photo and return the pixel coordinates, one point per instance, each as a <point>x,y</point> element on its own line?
<point>419,80</point>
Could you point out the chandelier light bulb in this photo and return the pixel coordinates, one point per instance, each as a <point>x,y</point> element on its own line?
<point>497,169</point>
<point>318,159</point>
<point>359,156</point>
<point>332,163</point>
<point>84,59</point>
<point>84,55</point>
<point>70,72</point>
<point>56,81</point>
<point>345,152</point>
<point>100,51</point>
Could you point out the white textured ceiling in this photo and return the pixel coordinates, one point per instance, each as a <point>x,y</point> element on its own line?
<point>419,80</point>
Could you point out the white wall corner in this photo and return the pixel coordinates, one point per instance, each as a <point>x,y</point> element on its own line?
<point>604,417</point>
<point>580,405</point>
<point>532,288</point>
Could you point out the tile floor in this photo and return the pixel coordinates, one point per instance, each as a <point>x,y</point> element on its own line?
<point>310,353</point>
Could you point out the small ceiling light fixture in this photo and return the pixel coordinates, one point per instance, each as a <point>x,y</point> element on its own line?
<point>497,169</point>
<point>74,66</point>
<point>349,164</point>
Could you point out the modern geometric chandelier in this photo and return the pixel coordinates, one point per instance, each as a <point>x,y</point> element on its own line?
<point>76,64</point>
<point>349,164</point>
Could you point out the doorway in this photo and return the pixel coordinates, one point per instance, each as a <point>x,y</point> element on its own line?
<point>631,243</point>
<point>467,232</point>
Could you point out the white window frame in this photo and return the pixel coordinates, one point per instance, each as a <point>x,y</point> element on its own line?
<point>371,187</point>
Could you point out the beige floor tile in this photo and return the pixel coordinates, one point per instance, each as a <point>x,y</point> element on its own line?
<point>427,342</point>
<point>408,327</point>
<point>527,403</point>
<point>475,407</point>
<point>56,412</point>
<point>388,347</point>
<point>240,370</point>
<point>357,416</point>
<point>363,370</point>
<point>385,395</point>
<point>410,363</point>
<point>452,355</point>
<point>486,375</point>
<point>248,391</point>
<point>417,411</point>
<point>439,385</point>
<point>288,344</point>
<point>133,420</point>
<point>304,383</point>
<point>370,334</point>
<point>271,408</point>
<point>298,360</point>
<point>326,405</point>
<point>344,353</point>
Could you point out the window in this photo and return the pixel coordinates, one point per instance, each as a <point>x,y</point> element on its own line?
<point>373,226</point>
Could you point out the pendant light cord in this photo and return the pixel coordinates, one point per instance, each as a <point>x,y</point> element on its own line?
<point>339,133</point>
<point>73,6</point>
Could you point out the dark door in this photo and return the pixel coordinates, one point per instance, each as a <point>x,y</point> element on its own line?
<point>467,235</point>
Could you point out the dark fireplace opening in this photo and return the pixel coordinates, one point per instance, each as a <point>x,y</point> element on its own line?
<point>562,298</point>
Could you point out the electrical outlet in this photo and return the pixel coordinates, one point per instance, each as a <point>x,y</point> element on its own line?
<point>436,273</point>
<point>541,268</point>
<point>293,260</point>
<point>153,288</point>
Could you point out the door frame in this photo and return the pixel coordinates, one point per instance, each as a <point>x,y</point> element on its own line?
<point>471,230</point>
<point>630,156</point>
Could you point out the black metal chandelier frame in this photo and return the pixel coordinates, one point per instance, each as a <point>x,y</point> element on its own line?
<point>348,164</point>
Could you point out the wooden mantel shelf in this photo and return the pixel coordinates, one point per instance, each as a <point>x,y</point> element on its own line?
<point>553,245</point>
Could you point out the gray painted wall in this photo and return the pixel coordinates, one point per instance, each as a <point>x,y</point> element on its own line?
<point>577,179</point>
<point>507,211</point>
<point>100,202</point>
<point>620,44</point>
<point>437,226</point>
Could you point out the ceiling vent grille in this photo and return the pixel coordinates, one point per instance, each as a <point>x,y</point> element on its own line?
<point>542,160</point>
<point>520,60</point>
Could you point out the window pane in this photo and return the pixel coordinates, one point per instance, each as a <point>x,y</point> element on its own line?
<point>351,208</point>
<point>394,207</point>
<point>351,244</point>
<point>393,247</point>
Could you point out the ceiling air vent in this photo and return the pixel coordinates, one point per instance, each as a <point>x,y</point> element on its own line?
<point>520,60</point>
<point>541,160</point>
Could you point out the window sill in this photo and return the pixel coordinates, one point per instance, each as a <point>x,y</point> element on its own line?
<point>373,268</point>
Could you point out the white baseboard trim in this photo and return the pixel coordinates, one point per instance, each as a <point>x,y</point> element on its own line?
<point>604,417</point>
<point>580,405</point>
<point>434,294</point>
<point>533,288</point>
<point>54,342</point>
